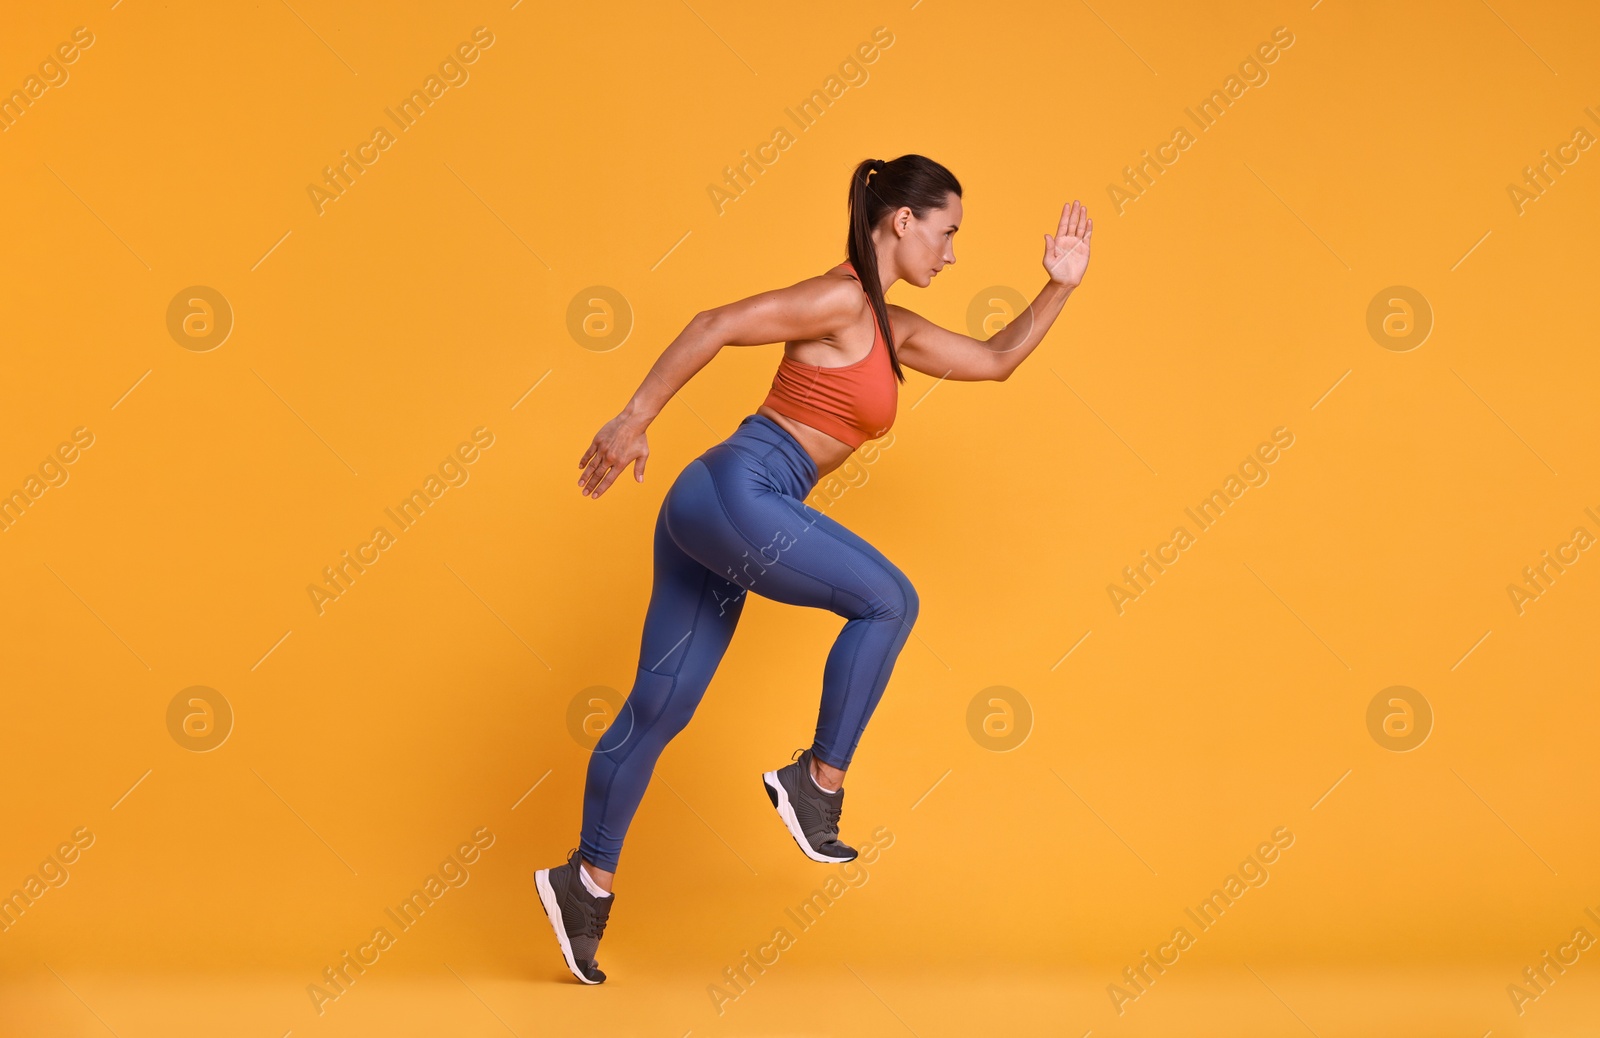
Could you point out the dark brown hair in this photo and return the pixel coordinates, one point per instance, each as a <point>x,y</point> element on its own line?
<point>910,180</point>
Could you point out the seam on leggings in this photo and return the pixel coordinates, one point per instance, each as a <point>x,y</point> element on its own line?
<point>638,733</point>
<point>777,448</point>
<point>716,492</point>
<point>745,453</point>
<point>810,462</point>
<point>796,506</point>
<point>791,502</point>
<point>888,662</point>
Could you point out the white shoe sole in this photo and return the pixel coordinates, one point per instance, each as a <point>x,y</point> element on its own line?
<point>552,911</point>
<point>786,812</point>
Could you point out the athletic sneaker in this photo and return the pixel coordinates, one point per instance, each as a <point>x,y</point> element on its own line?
<point>811,816</point>
<point>577,916</point>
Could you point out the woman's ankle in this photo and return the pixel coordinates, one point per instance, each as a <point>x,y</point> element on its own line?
<point>599,877</point>
<point>829,778</point>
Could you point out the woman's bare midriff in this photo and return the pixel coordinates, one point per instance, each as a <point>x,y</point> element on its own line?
<point>827,452</point>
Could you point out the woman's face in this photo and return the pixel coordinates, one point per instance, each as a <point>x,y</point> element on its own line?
<point>926,246</point>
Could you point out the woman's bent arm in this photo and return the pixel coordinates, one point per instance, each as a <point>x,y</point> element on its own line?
<point>942,353</point>
<point>814,308</point>
<point>1017,339</point>
<point>622,440</point>
<point>679,362</point>
<point>926,347</point>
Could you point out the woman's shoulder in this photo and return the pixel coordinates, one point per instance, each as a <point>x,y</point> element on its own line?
<point>837,290</point>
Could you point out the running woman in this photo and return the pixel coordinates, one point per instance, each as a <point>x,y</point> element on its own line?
<point>735,520</point>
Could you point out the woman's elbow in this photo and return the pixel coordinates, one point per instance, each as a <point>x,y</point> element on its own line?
<point>709,323</point>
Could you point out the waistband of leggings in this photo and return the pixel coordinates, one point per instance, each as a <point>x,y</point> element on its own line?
<point>771,432</point>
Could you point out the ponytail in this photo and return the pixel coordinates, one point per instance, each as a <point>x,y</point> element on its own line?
<point>878,188</point>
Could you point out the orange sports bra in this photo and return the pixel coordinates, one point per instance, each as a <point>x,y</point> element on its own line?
<point>853,403</point>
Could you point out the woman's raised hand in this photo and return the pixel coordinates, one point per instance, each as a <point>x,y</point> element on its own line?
<point>618,442</point>
<point>1066,255</point>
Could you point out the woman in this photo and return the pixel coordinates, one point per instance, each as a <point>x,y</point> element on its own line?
<point>735,519</point>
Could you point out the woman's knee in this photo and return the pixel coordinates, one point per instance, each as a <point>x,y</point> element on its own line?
<point>893,598</point>
<point>910,603</point>
<point>654,712</point>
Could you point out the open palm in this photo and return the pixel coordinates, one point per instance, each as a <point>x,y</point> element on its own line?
<point>1066,253</point>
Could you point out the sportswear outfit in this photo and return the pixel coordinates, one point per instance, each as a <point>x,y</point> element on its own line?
<point>735,521</point>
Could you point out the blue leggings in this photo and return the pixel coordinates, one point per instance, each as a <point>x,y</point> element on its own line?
<point>735,520</point>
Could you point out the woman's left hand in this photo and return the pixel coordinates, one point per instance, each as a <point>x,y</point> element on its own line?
<point>1066,254</point>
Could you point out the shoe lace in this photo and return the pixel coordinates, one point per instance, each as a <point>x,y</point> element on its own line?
<point>832,805</point>
<point>832,809</point>
<point>599,908</point>
<point>599,912</point>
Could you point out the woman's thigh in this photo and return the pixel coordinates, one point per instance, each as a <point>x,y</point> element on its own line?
<point>729,516</point>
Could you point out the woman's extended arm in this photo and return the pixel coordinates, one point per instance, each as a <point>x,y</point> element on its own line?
<point>812,309</point>
<point>1016,340</point>
<point>928,348</point>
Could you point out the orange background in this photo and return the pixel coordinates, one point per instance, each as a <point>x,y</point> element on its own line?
<point>433,697</point>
